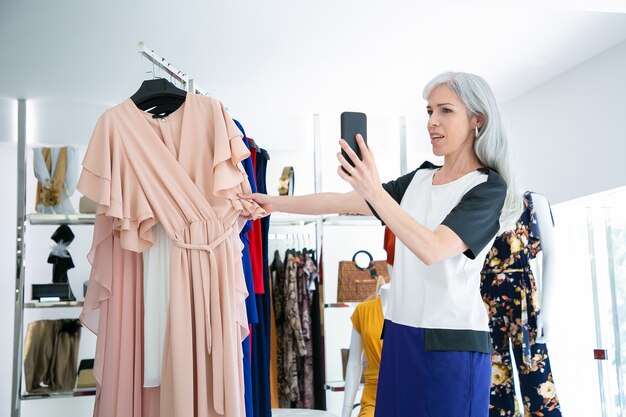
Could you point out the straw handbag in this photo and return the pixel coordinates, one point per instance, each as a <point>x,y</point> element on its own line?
<point>357,283</point>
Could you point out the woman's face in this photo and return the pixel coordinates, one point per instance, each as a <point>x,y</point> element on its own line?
<point>449,125</point>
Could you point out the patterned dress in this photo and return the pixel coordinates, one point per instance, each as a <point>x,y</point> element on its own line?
<point>510,292</point>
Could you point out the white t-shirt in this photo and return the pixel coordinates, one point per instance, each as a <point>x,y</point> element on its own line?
<point>444,298</point>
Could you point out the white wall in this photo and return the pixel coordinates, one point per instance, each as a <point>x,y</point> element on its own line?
<point>569,134</point>
<point>8,120</point>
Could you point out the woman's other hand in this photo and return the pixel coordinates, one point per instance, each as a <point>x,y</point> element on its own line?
<point>363,176</point>
<point>263,200</point>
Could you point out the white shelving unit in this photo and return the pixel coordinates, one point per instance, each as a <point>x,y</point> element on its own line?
<point>25,310</point>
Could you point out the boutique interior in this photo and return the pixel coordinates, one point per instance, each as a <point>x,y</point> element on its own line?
<point>286,71</point>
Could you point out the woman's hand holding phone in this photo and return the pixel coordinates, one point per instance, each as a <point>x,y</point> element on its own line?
<point>362,173</point>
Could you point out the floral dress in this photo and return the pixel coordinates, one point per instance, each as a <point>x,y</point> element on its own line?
<point>510,293</point>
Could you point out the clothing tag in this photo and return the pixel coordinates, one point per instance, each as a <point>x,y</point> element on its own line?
<point>600,354</point>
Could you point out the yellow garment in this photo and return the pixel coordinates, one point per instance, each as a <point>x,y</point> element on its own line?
<point>367,320</point>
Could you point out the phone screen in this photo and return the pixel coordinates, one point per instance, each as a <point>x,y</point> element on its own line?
<point>353,123</point>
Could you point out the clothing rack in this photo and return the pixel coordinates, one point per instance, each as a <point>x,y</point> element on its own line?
<point>187,82</point>
<point>23,219</point>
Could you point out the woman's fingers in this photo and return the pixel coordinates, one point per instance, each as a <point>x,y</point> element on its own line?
<point>344,163</point>
<point>351,154</point>
<point>342,174</point>
<point>365,151</point>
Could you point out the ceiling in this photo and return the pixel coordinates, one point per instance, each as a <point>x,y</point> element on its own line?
<point>288,57</point>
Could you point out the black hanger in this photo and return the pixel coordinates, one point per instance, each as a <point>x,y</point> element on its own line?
<point>253,144</point>
<point>159,97</point>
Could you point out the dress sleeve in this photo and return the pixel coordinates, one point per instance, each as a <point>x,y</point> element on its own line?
<point>99,179</point>
<point>230,178</point>
<point>476,218</point>
<point>108,179</point>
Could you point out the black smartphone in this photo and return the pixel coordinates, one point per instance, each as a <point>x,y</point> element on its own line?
<point>353,123</point>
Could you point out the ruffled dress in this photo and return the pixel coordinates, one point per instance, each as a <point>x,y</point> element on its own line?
<point>183,172</point>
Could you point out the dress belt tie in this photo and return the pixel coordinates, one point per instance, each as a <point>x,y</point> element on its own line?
<point>213,315</point>
<point>207,247</point>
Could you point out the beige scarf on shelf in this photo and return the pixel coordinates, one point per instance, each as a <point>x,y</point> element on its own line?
<point>51,195</point>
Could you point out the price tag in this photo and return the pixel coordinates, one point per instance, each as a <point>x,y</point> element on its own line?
<point>600,354</point>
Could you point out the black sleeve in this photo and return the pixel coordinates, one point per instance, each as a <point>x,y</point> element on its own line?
<point>476,219</point>
<point>397,187</point>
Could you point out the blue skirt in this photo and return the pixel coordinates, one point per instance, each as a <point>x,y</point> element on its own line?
<point>413,382</point>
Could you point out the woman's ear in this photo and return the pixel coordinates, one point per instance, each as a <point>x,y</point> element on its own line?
<point>479,121</point>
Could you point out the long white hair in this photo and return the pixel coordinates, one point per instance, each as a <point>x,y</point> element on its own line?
<point>491,144</point>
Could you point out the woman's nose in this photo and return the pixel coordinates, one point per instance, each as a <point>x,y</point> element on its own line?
<point>433,121</point>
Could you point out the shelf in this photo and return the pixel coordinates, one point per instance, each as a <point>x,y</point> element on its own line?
<point>44,395</point>
<point>284,219</point>
<point>341,305</point>
<point>337,386</point>
<point>61,218</point>
<point>53,304</point>
<point>350,220</point>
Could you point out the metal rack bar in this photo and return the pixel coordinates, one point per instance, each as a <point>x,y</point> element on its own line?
<point>75,393</point>
<point>188,83</point>
<point>53,304</point>
<point>53,219</point>
<point>18,323</point>
<point>403,158</point>
<point>596,308</point>
<point>614,309</point>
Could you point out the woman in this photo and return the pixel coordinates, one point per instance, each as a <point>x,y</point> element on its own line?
<point>436,351</point>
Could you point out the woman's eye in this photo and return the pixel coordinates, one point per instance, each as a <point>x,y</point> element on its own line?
<point>430,112</point>
<point>446,110</point>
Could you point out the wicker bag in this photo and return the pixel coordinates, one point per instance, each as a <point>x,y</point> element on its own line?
<point>356,283</point>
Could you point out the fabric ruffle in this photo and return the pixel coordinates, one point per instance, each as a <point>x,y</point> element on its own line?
<point>114,189</point>
<point>229,176</point>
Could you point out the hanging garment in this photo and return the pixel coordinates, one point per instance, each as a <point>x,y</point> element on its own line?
<point>319,375</point>
<point>368,319</point>
<point>51,355</point>
<point>509,290</point>
<point>256,249</point>
<point>156,297</point>
<point>184,172</point>
<point>389,243</point>
<point>305,361</point>
<point>261,331</point>
<point>293,339</point>
<point>56,170</point>
<point>279,285</point>
<point>251,307</point>
<point>273,352</point>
